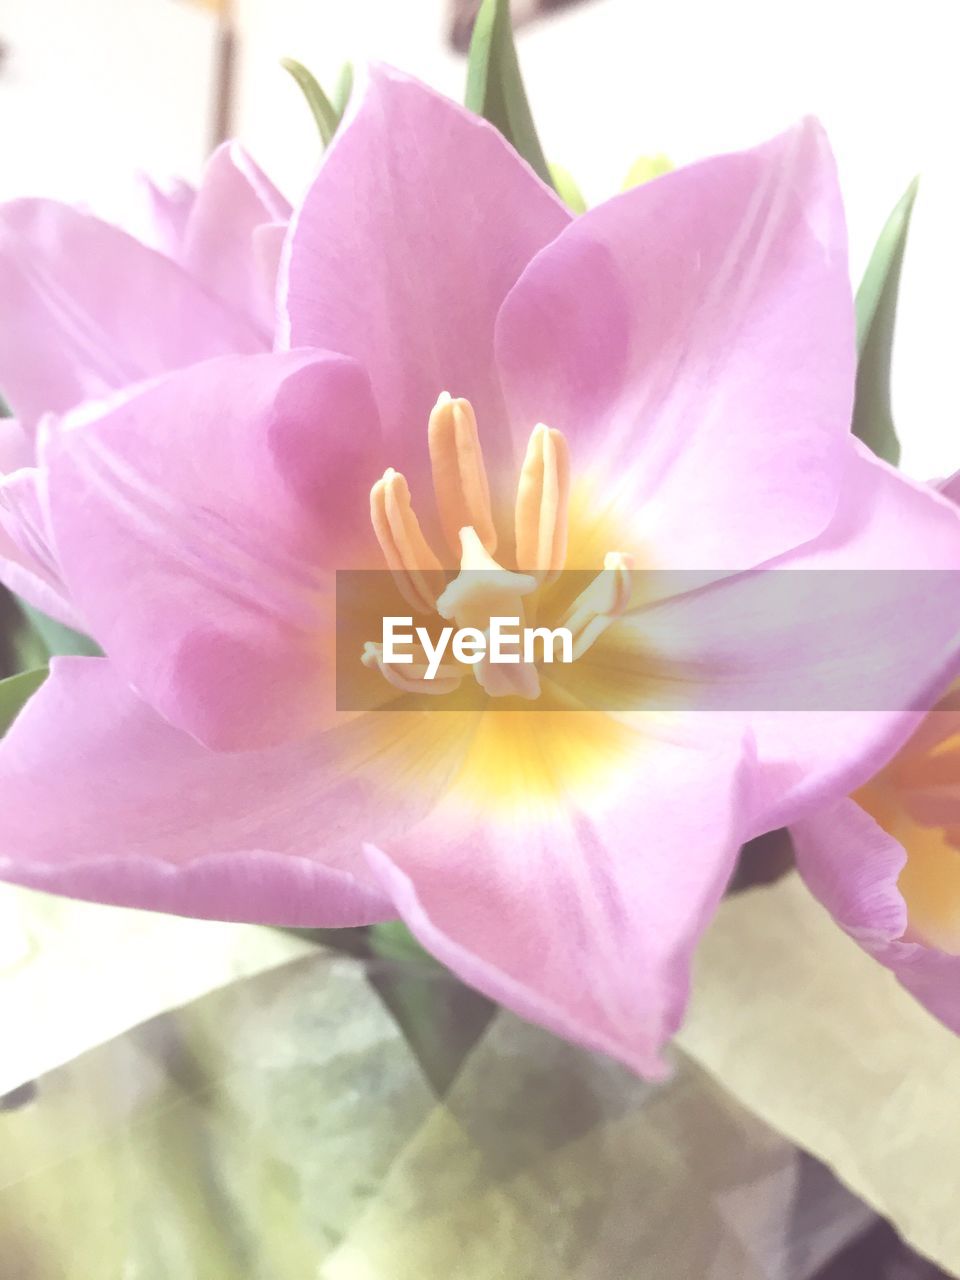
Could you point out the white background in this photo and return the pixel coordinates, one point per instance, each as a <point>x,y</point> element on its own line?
<point>94,89</point>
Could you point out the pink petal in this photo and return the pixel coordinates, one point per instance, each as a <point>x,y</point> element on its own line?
<point>88,309</point>
<point>851,865</point>
<point>833,651</point>
<point>198,523</point>
<point>268,241</point>
<point>694,337</point>
<point>104,800</point>
<point>235,198</point>
<point>28,564</point>
<point>16,446</point>
<point>418,224</point>
<point>581,917</point>
<point>157,214</point>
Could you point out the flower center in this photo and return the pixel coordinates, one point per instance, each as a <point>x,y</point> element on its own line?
<point>485,588</point>
<point>916,799</point>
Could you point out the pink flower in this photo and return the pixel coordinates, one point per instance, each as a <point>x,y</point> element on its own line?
<point>89,309</point>
<point>886,863</point>
<point>690,344</point>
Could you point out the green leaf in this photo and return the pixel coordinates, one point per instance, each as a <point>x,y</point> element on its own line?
<point>876,317</point>
<point>324,112</point>
<point>441,1019</point>
<point>343,90</point>
<point>494,86</point>
<point>392,940</point>
<point>21,648</point>
<point>28,638</point>
<point>567,189</point>
<point>646,168</point>
<point>4,409</point>
<point>351,941</point>
<point>58,638</point>
<point>15,692</point>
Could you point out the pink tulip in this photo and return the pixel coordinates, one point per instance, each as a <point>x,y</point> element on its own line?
<point>886,863</point>
<point>227,233</point>
<point>689,345</point>
<point>90,309</point>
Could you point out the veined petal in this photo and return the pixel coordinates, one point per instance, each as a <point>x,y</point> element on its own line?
<point>694,340</point>
<point>831,652</point>
<point>234,200</point>
<point>28,562</point>
<point>28,565</point>
<point>581,916</point>
<point>257,836</point>
<point>198,521</point>
<point>88,309</point>
<point>421,219</point>
<point>156,214</point>
<point>268,241</point>
<point>852,866</point>
<point>16,447</point>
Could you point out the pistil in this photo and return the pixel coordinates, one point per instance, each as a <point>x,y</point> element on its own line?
<point>483,590</point>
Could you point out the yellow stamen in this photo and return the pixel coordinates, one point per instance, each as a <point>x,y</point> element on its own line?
<point>484,589</point>
<point>542,501</point>
<point>411,678</point>
<point>459,476</point>
<point>416,570</point>
<point>606,598</point>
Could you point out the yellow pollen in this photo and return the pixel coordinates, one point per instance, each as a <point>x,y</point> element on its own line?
<point>459,476</point>
<point>543,497</point>
<point>929,765</point>
<point>416,570</point>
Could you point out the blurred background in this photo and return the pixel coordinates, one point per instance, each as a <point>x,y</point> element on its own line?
<point>93,90</point>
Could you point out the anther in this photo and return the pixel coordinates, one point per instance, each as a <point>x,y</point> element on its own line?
<point>604,600</point>
<point>416,570</point>
<point>542,500</point>
<point>459,476</point>
<point>412,677</point>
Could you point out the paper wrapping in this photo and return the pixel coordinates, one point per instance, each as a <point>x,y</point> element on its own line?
<point>281,1128</point>
<point>550,1163</point>
<point>822,1043</point>
<point>73,974</point>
